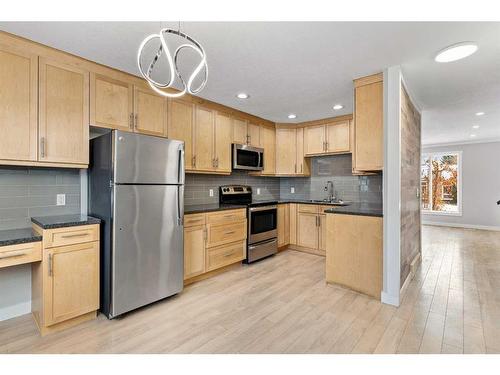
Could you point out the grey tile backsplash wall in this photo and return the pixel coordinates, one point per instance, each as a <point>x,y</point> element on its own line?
<point>338,169</point>
<point>27,192</point>
<point>327,168</point>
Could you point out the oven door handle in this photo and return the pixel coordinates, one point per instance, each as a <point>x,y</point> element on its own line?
<point>263,208</point>
<point>251,247</point>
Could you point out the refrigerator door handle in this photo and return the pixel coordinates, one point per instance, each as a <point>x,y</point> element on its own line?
<point>180,166</point>
<point>180,205</point>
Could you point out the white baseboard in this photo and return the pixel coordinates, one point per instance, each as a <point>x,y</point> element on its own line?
<point>15,310</point>
<point>458,225</point>
<point>389,299</point>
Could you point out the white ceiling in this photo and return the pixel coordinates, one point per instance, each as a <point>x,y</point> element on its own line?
<point>306,67</point>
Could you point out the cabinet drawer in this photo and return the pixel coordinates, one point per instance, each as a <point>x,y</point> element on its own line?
<point>20,253</point>
<point>227,216</point>
<point>70,235</point>
<point>194,219</point>
<point>309,208</point>
<point>225,255</point>
<point>219,234</point>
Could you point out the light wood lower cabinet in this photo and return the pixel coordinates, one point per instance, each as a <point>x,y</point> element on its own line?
<point>22,253</point>
<point>65,285</point>
<point>354,252</point>
<point>311,229</point>
<point>213,240</point>
<point>283,225</point>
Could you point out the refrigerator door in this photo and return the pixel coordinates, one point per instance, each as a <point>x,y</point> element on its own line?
<point>144,159</point>
<point>147,253</point>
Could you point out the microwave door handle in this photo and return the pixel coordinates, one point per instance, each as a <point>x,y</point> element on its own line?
<point>258,161</point>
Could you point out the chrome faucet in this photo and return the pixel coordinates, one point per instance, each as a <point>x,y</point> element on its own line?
<point>331,191</point>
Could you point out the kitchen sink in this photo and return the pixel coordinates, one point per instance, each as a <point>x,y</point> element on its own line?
<point>332,203</point>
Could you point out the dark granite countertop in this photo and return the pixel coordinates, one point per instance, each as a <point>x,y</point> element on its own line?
<point>357,208</point>
<point>306,201</point>
<point>60,221</point>
<point>16,236</point>
<point>199,208</point>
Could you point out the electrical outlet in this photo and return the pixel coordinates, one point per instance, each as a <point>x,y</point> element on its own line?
<point>292,190</point>
<point>258,191</point>
<point>211,192</point>
<point>61,199</point>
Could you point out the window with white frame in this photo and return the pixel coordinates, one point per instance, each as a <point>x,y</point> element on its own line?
<point>440,182</point>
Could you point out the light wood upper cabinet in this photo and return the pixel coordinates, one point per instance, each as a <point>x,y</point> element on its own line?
<point>268,143</point>
<point>285,151</point>
<point>223,138</point>
<point>338,137</point>
<point>63,113</point>
<point>194,251</point>
<point>180,127</point>
<point>303,168</point>
<point>314,140</point>
<point>253,131</point>
<point>204,132</point>
<point>368,123</point>
<point>150,111</point>
<point>18,105</point>
<point>111,103</point>
<point>240,131</point>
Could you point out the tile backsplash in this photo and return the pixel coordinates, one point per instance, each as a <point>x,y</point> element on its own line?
<point>27,192</point>
<point>327,168</point>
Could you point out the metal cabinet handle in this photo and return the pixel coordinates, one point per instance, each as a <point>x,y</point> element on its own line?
<point>227,255</point>
<point>217,162</point>
<point>194,161</point>
<point>301,167</point>
<point>295,167</point>
<point>42,147</point>
<point>136,120</point>
<point>12,254</point>
<point>231,232</point>
<point>74,235</point>
<point>205,234</point>
<point>51,271</point>
<point>326,146</point>
<point>131,120</point>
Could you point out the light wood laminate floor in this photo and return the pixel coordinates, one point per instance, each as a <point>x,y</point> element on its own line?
<point>282,305</point>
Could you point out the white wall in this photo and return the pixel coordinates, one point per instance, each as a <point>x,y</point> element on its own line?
<point>15,291</point>
<point>480,186</point>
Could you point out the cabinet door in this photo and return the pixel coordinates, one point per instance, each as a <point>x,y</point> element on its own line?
<point>302,167</point>
<point>268,143</point>
<point>314,140</point>
<point>111,103</point>
<point>180,127</point>
<point>223,139</point>
<point>63,113</point>
<point>204,139</point>
<point>150,112</point>
<point>293,223</point>
<point>368,131</point>
<point>240,131</point>
<point>72,281</point>
<point>285,151</point>
<point>322,233</point>
<point>338,139</point>
<point>307,230</point>
<point>281,225</point>
<point>18,105</point>
<point>194,251</point>
<point>253,131</point>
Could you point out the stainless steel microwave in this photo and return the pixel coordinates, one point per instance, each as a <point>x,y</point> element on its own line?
<point>248,157</point>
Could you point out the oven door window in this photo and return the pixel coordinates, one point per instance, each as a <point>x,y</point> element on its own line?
<point>247,158</point>
<point>263,221</point>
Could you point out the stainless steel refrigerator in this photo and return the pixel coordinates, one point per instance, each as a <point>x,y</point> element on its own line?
<point>136,186</point>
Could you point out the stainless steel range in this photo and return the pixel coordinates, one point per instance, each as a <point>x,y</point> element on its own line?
<point>262,221</point>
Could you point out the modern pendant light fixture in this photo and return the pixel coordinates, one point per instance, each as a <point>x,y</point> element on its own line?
<point>172,64</point>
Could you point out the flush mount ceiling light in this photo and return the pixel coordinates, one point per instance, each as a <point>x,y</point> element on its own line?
<point>172,64</point>
<point>472,135</point>
<point>456,52</point>
<point>479,113</point>
<point>292,116</point>
<point>336,107</point>
<point>242,95</point>
<point>475,126</point>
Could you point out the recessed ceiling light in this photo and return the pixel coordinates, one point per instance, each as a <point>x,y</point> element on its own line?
<point>456,52</point>
<point>475,126</point>
<point>472,135</point>
<point>338,106</point>
<point>479,113</point>
<point>242,95</point>
<point>292,115</point>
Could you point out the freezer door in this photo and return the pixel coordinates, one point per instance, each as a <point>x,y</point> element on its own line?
<point>144,159</point>
<point>147,252</point>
